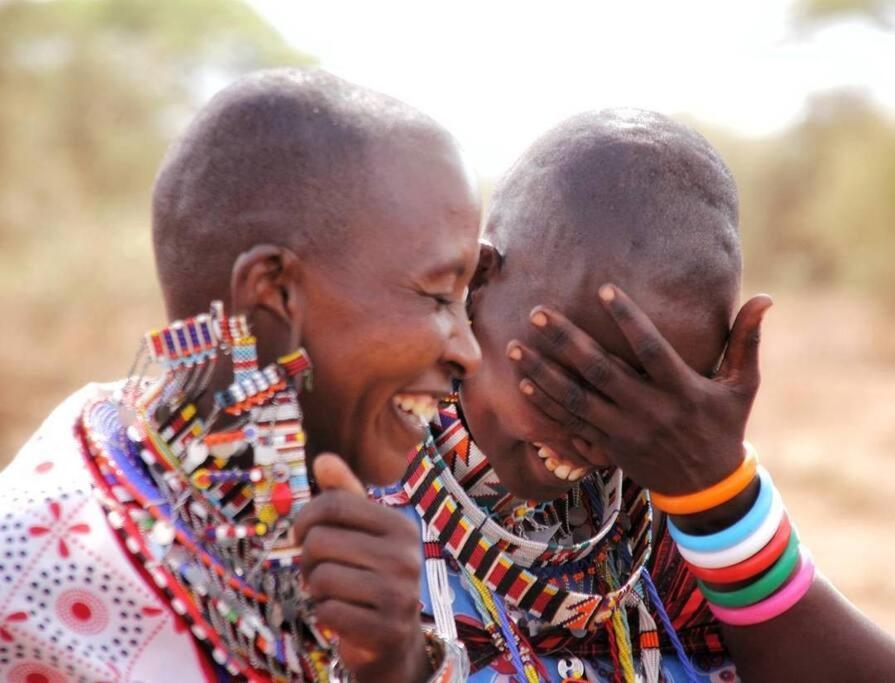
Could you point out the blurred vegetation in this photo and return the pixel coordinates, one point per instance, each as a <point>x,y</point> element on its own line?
<point>94,90</point>
<point>817,202</point>
<point>808,12</point>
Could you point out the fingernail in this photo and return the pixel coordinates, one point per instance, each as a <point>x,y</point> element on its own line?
<point>607,293</point>
<point>526,387</point>
<point>539,319</point>
<point>514,352</point>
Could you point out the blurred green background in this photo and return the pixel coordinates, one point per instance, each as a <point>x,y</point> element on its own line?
<point>92,91</point>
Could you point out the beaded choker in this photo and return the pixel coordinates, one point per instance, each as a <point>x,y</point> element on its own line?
<point>503,562</point>
<point>474,484</point>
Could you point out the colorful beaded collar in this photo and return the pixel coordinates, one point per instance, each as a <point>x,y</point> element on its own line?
<point>487,551</point>
<point>475,486</point>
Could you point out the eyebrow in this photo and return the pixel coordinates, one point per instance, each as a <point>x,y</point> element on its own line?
<point>456,268</point>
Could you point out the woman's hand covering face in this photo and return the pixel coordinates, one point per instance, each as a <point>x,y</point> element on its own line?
<point>668,427</point>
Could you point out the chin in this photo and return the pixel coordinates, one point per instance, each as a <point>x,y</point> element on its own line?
<point>539,485</point>
<point>388,468</point>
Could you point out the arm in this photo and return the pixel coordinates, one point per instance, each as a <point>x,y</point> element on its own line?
<point>677,432</point>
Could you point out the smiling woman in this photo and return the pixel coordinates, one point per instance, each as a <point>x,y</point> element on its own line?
<point>304,210</point>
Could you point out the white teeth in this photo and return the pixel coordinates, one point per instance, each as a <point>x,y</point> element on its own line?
<point>562,471</point>
<point>575,475</point>
<point>546,452</point>
<point>561,468</point>
<point>422,406</point>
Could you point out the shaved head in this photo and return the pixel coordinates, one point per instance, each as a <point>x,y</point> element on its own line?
<point>626,196</point>
<point>285,157</point>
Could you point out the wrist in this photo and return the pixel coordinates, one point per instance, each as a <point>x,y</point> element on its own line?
<point>409,665</point>
<point>722,516</point>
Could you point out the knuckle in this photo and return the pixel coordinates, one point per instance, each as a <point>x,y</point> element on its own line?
<point>556,335</point>
<point>572,423</point>
<point>621,311</point>
<point>319,583</point>
<point>596,371</point>
<point>574,399</point>
<point>535,368</point>
<point>648,347</point>
<point>314,542</point>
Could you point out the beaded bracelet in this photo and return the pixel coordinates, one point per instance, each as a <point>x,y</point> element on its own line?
<point>736,533</point>
<point>745,548</point>
<point>713,496</point>
<point>752,566</point>
<point>766,585</point>
<point>777,604</point>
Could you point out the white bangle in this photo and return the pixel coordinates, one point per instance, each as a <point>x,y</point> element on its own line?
<point>745,548</point>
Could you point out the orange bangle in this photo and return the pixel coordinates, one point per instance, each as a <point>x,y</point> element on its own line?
<point>713,496</point>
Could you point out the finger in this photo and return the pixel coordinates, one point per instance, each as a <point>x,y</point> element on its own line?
<point>358,549</point>
<point>579,352</point>
<point>592,453</point>
<point>331,472</point>
<point>333,581</point>
<point>357,625</point>
<point>655,354</point>
<point>558,414</point>
<point>346,510</point>
<point>741,357</point>
<point>576,399</point>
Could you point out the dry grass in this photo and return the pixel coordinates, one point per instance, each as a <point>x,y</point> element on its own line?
<point>824,422</point>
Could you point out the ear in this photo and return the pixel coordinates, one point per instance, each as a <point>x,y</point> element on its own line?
<point>490,262</point>
<point>265,282</point>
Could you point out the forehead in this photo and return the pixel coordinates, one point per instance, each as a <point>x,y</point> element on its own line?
<point>422,207</point>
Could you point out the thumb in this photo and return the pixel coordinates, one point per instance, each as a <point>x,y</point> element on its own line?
<point>331,472</point>
<point>741,357</point>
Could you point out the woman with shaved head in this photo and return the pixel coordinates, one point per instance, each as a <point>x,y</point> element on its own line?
<point>310,236</point>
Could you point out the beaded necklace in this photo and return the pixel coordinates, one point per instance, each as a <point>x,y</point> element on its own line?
<point>572,590</point>
<point>205,512</point>
<point>487,550</point>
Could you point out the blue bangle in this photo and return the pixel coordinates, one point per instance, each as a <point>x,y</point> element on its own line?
<point>735,533</point>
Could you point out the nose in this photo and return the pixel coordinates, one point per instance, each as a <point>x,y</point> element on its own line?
<point>462,352</point>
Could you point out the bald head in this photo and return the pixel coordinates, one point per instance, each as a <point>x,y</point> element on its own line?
<point>284,157</point>
<point>630,197</point>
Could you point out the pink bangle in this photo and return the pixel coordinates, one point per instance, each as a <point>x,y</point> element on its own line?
<point>775,605</point>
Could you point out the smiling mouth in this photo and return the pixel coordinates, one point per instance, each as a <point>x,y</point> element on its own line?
<point>418,408</point>
<point>556,465</point>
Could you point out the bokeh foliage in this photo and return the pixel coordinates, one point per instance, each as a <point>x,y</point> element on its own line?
<point>817,202</point>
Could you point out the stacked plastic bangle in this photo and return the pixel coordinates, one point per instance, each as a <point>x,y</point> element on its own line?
<point>753,570</point>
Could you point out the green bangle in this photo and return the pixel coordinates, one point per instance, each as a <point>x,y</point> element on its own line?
<point>775,577</point>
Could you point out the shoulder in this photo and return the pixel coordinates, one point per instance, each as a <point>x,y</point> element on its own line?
<point>51,461</point>
<point>72,606</point>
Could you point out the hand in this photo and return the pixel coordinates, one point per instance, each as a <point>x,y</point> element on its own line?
<point>670,429</point>
<point>361,563</point>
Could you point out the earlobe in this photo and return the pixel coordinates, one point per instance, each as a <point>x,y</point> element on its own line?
<point>266,278</point>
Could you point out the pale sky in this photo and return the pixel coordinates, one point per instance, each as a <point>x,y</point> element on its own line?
<point>498,73</point>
